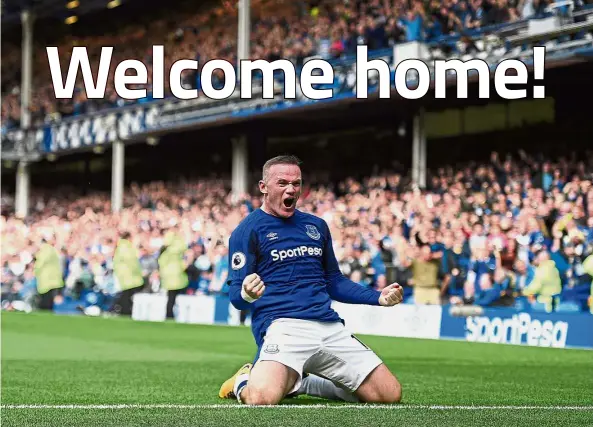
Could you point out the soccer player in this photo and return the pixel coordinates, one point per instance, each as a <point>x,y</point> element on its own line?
<point>284,269</point>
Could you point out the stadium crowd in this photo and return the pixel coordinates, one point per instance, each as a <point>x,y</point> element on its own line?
<point>511,232</point>
<point>280,29</point>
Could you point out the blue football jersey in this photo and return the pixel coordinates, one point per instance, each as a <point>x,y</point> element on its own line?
<point>295,259</point>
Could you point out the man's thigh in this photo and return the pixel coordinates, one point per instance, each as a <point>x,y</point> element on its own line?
<point>269,382</point>
<point>290,342</point>
<point>352,365</point>
<point>343,359</point>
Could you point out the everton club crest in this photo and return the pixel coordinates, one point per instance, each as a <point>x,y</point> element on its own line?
<point>312,232</point>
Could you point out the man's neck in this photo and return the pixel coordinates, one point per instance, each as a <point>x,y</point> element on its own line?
<point>266,209</point>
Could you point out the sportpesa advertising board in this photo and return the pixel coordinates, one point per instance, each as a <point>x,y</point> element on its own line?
<point>504,326</point>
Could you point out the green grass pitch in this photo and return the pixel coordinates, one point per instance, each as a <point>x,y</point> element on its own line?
<point>117,372</point>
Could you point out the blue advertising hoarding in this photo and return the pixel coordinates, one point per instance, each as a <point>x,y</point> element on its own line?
<point>507,326</point>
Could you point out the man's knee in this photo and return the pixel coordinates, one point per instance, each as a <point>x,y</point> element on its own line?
<point>386,394</point>
<point>395,395</point>
<point>380,387</point>
<point>257,397</point>
<point>268,383</point>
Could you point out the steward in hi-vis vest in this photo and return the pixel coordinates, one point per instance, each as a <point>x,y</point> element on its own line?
<point>127,270</point>
<point>172,268</point>
<point>49,275</point>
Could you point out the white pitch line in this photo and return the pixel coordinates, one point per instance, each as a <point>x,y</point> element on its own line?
<point>306,407</point>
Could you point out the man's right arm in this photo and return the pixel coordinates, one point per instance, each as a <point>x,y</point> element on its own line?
<point>242,262</point>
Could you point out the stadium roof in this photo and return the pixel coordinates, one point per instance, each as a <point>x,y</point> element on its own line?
<point>60,9</point>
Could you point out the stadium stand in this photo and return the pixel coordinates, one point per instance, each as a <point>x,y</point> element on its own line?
<point>326,29</point>
<point>514,232</point>
<point>483,232</point>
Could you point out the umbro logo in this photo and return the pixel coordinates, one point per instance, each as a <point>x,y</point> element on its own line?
<point>272,236</point>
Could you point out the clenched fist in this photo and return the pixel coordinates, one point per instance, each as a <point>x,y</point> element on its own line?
<point>253,288</point>
<point>391,295</point>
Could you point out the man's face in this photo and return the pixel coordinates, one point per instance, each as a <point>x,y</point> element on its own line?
<point>432,236</point>
<point>425,253</point>
<point>543,256</point>
<point>282,189</point>
<point>222,250</point>
<point>520,267</point>
<point>448,239</point>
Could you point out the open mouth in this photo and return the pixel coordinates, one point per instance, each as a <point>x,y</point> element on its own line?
<point>289,202</point>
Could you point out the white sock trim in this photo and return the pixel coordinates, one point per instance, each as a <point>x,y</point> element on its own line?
<point>240,383</point>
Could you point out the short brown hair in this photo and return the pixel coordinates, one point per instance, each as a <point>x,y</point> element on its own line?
<point>286,159</point>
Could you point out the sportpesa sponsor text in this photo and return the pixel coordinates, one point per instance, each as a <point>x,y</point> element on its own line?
<point>519,329</point>
<point>295,252</point>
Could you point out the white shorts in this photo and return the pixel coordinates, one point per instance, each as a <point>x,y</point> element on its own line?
<point>328,350</point>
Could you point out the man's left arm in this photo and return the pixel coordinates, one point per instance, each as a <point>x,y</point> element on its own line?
<point>342,289</point>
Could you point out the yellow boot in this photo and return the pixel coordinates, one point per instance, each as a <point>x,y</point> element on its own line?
<point>226,390</point>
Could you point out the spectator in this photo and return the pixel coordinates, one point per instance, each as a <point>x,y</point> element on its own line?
<point>484,230</point>
<point>172,268</point>
<point>221,270</point>
<point>588,268</point>
<point>412,24</point>
<point>47,271</point>
<point>128,271</point>
<point>425,271</point>
<point>328,29</point>
<point>546,285</point>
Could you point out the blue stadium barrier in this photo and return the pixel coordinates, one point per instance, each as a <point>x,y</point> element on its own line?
<point>221,310</point>
<point>507,326</point>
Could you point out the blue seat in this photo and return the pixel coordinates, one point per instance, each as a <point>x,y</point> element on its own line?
<point>568,307</point>
<point>538,307</point>
<point>522,304</point>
